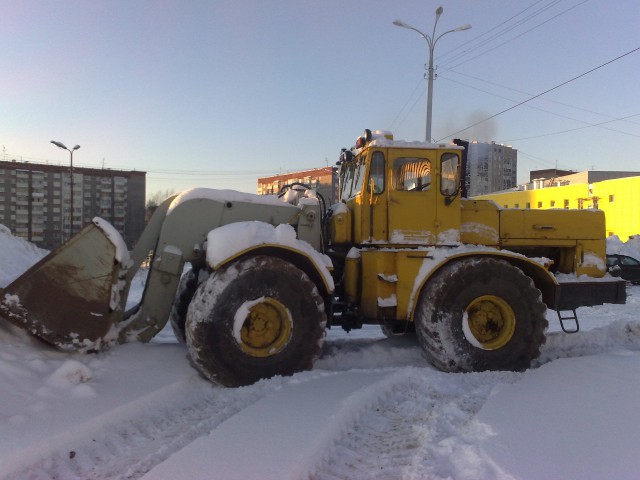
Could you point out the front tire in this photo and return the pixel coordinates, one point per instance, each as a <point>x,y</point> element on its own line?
<point>178,315</point>
<point>256,318</point>
<point>481,314</point>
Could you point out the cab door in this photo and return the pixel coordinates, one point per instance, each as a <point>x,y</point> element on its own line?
<point>447,207</point>
<point>413,193</point>
<point>375,200</point>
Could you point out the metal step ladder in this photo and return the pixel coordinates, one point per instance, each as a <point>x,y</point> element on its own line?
<point>571,316</point>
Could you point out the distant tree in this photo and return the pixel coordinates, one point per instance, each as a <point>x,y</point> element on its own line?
<point>156,198</point>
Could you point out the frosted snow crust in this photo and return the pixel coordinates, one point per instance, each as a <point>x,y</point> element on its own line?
<point>223,196</point>
<point>229,240</point>
<point>122,252</point>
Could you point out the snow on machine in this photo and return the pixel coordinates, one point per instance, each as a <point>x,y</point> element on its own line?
<point>403,248</point>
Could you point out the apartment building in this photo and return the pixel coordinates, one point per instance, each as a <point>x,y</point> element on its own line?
<point>491,167</point>
<point>36,201</point>
<point>324,180</point>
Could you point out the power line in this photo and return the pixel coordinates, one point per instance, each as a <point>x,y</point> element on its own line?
<point>484,42</point>
<point>474,40</point>
<point>574,129</point>
<point>511,39</point>
<point>543,93</point>
<point>587,124</point>
<point>542,161</point>
<point>525,93</point>
<point>476,45</point>
<point>393,122</point>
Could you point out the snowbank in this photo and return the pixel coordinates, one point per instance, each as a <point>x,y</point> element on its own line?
<point>573,418</point>
<point>229,240</point>
<point>223,196</point>
<point>16,256</point>
<point>371,408</point>
<point>630,248</point>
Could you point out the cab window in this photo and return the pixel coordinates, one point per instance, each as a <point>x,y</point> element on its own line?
<point>450,176</point>
<point>352,177</point>
<point>346,181</point>
<point>411,174</point>
<point>358,176</point>
<point>376,175</point>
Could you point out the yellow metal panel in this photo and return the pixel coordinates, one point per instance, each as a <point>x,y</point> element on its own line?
<point>551,224</point>
<point>408,265</point>
<point>539,242</point>
<point>378,217</point>
<point>590,258</point>
<point>480,223</point>
<point>352,279</point>
<point>355,206</point>
<point>618,198</point>
<point>378,287</point>
<point>387,274</point>
<point>341,227</point>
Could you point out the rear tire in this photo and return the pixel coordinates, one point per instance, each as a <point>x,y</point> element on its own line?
<point>256,318</point>
<point>481,314</point>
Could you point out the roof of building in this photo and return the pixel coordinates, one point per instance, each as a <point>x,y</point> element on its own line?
<point>47,167</point>
<point>316,172</point>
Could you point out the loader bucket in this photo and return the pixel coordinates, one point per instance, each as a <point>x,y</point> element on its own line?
<point>65,298</point>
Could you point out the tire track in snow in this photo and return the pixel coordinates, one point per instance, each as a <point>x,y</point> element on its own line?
<point>410,432</point>
<point>134,443</point>
<point>424,429</point>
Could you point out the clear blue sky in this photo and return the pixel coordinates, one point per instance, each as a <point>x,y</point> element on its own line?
<point>217,93</point>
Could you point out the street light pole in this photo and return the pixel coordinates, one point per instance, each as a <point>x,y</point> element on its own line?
<point>431,42</point>
<point>62,146</point>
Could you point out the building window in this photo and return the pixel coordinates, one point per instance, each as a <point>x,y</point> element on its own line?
<point>552,203</point>
<point>539,204</point>
<point>612,198</point>
<point>528,204</point>
<point>566,203</point>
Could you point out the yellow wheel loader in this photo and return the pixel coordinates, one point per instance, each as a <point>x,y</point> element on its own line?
<point>403,248</point>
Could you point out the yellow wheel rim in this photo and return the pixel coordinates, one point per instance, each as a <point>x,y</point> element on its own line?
<point>266,329</point>
<point>490,322</point>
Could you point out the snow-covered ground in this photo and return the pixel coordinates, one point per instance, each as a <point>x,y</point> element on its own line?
<point>372,408</point>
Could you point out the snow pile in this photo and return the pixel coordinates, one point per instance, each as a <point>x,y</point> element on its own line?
<point>122,252</point>
<point>16,255</point>
<point>223,196</point>
<point>382,138</point>
<point>630,248</point>
<point>372,408</point>
<point>583,408</point>
<point>229,240</point>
